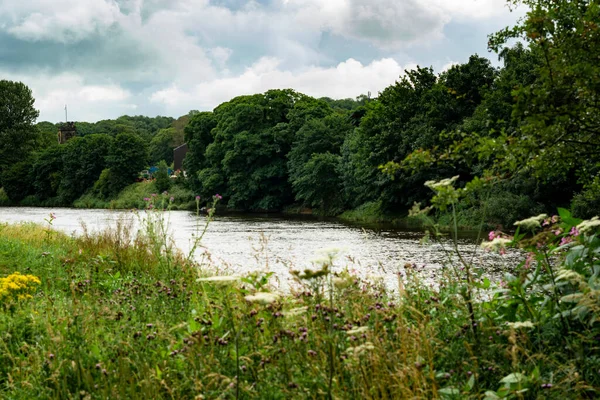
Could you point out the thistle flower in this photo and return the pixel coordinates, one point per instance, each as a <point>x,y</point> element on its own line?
<point>262,298</point>
<point>532,223</point>
<point>220,280</point>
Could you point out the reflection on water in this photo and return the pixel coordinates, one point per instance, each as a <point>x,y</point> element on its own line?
<point>247,243</point>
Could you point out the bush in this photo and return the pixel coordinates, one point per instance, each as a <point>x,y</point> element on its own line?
<point>163,181</point>
<point>587,203</point>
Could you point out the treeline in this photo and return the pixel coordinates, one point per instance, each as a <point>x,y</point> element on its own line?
<point>523,138</point>
<point>103,158</point>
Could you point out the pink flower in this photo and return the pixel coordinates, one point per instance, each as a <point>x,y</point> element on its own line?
<point>197,198</point>
<point>171,199</point>
<point>574,231</point>
<point>218,196</point>
<point>146,198</point>
<point>557,232</point>
<point>529,260</point>
<point>492,235</point>
<point>565,240</point>
<point>554,219</point>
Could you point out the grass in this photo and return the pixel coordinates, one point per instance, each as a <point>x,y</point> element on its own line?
<point>132,197</point>
<point>124,315</point>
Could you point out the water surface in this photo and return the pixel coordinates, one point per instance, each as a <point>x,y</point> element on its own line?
<point>246,243</point>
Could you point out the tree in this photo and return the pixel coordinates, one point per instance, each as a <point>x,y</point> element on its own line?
<point>163,181</point>
<point>17,118</point>
<point>127,157</point>
<point>162,145</point>
<point>560,132</point>
<point>83,160</point>
<point>198,136</point>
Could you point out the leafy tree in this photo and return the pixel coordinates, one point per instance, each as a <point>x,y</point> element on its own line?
<point>247,159</point>
<point>317,145</point>
<point>560,113</point>
<point>47,135</point>
<point>198,135</point>
<point>127,157</point>
<point>17,118</point>
<point>319,185</point>
<point>17,180</point>
<point>162,145</point>
<point>47,172</point>
<point>83,159</point>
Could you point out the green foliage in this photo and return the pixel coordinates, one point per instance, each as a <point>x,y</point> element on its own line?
<point>318,184</point>
<point>198,135</point>
<point>587,203</point>
<point>128,156</point>
<point>163,180</point>
<point>17,181</point>
<point>162,145</point>
<point>83,159</point>
<point>47,172</point>
<point>17,117</point>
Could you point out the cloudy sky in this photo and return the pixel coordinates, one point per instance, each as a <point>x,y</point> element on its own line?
<point>106,58</point>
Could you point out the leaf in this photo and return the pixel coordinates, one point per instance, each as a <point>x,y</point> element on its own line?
<point>515,377</point>
<point>449,393</point>
<point>470,384</point>
<point>490,395</point>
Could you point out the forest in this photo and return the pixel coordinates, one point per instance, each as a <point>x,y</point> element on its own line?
<point>523,139</point>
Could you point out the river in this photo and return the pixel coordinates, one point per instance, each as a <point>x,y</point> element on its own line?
<point>239,244</point>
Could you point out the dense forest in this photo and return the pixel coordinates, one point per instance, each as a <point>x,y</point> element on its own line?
<point>522,138</point>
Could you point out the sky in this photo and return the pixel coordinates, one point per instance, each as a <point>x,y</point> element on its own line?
<point>107,58</point>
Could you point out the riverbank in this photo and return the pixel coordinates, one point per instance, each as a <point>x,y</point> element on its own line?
<point>124,315</point>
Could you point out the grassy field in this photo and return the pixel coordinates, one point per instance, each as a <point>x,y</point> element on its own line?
<point>124,315</point>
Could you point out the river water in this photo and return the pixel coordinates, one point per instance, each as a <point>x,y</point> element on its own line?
<point>239,244</point>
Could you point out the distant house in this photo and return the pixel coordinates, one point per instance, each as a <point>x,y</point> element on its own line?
<point>178,156</point>
<point>66,132</point>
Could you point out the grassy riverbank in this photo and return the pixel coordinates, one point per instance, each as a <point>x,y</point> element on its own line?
<point>124,315</point>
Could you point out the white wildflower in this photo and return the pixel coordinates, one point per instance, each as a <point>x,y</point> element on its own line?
<point>497,243</point>
<point>296,311</point>
<point>588,225</point>
<point>517,325</point>
<point>358,331</point>
<point>358,350</point>
<point>532,222</point>
<point>220,280</point>
<point>262,298</point>
<point>320,261</point>
<point>342,282</point>
<point>435,185</point>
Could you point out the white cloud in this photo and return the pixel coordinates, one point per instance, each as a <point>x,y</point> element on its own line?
<point>59,20</point>
<point>347,79</point>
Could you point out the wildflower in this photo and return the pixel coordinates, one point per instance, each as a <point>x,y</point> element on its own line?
<point>496,244</point>
<point>532,222</point>
<point>359,330</point>
<point>359,350</point>
<point>197,198</point>
<point>342,282</point>
<point>588,225</point>
<point>262,298</point>
<point>52,216</point>
<point>220,280</point>
<point>171,199</point>
<point>574,231</point>
<point>529,260</point>
<point>517,325</point>
<point>492,235</point>
<point>146,199</point>
<point>434,185</point>
<point>565,240</point>
<point>218,197</point>
<point>165,193</point>
<point>17,286</point>
<point>296,311</point>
